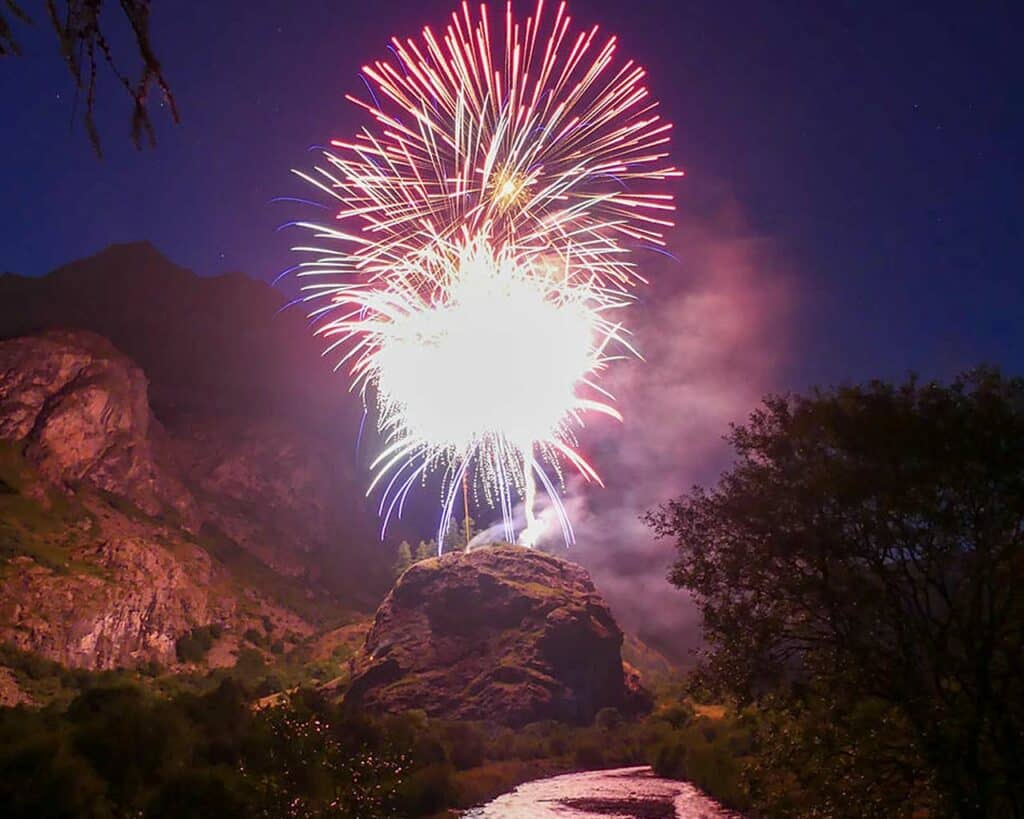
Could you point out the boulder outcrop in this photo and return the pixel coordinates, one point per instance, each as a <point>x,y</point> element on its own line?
<point>504,634</point>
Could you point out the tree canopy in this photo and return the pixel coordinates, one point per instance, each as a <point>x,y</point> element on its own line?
<point>861,557</point>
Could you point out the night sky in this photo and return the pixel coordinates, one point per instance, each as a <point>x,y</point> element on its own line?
<point>852,206</point>
<point>877,145</point>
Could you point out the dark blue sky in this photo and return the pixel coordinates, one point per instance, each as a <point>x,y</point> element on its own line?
<point>875,144</point>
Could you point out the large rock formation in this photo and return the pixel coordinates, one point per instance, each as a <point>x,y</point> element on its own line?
<point>133,609</point>
<point>504,634</point>
<point>180,459</point>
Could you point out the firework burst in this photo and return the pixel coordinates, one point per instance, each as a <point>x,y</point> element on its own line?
<point>485,222</point>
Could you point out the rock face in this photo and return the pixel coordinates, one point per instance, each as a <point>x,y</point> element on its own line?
<point>135,613</point>
<point>181,458</point>
<point>503,634</point>
<point>262,483</point>
<point>117,536</point>
<point>81,410</point>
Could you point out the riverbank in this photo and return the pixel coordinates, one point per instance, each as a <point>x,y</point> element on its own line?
<point>477,786</point>
<point>679,744</point>
<point>633,791</point>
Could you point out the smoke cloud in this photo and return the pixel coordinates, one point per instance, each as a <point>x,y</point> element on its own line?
<point>714,334</point>
<point>713,329</point>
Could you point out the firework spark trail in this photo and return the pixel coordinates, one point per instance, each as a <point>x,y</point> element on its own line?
<point>485,220</point>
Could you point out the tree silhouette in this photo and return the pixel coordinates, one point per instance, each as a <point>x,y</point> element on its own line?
<point>867,547</point>
<point>80,28</point>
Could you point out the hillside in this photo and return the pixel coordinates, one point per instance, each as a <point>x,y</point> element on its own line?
<point>239,385</point>
<point>124,543</point>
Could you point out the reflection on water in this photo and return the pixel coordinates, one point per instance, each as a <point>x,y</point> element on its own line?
<point>624,793</point>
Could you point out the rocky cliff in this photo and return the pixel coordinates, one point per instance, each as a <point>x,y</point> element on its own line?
<point>240,386</point>
<point>80,412</point>
<point>503,634</point>
<point>118,537</point>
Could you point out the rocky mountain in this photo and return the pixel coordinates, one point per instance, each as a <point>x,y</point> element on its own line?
<point>504,634</point>
<point>80,411</point>
<point>258,419</point>
<point>174,456</point>
<point>208,344</point>
<point>111,551</point>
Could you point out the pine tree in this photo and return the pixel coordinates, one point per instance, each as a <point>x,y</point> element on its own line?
<point>426,550</point>
<point>457,538</point>
<point>403,559</point>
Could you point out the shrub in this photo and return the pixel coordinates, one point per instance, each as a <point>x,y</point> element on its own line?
<point>678,714</point>
<point>608,719</point>
<point>271,684</point>
<point>464,745</point>
<point>250,667</point>
<point>150,668</point>
<point>670,758</point>
<point>589,754</point>
<point>193,646</point>
<point>427,791</point>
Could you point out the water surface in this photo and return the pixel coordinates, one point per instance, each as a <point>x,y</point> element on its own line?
<point>623,793</point>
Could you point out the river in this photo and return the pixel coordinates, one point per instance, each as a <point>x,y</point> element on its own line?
<point>623,793</point>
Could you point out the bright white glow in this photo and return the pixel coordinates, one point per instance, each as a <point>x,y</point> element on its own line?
<point>502,354</point>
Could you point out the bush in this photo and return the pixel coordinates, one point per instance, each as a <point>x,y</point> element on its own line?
<point>150,668</point>
<point>608,719</point>
<point>427,791</point>
<point>464,745</point>
<point>589,754</point>
<point>670,758</point>
<point>678,714</point>
<point>193,646</point>
<point>205,792</point>
<point>250,668</point>
<point>271,684</point>
<point>709,753</point>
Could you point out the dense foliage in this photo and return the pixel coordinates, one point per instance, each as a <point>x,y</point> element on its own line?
<point>120,751</point>
<point>857,573</point>
<point>123,749</point>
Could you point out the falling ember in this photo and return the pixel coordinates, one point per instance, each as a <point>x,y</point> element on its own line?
<point>484,228</point>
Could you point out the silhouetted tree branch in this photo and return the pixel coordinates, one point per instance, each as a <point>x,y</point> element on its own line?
<point>84,46</point>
